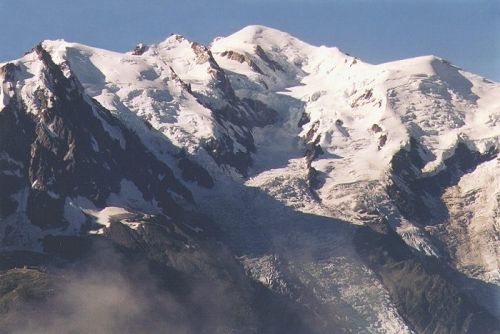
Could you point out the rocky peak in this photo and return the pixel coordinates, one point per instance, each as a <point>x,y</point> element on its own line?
<point>139,49</point>
<point>275,66</point>
<point>67,159</point>
<point>233,55</point>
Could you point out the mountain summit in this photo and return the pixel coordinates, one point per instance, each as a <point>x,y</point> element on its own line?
<point>314,192</point>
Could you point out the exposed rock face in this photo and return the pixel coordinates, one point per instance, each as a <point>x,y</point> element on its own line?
<point>275,66</point>
<point>233,55</point>
<point>139,49</point>
<point>15,145</point>
<point>191,171</point>
<point>55,157</point>
<point>411,188</point>
<point>421,286</point>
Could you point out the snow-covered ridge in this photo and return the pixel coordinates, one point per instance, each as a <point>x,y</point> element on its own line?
<point>368,111</point>
<point>359,114</point>
<point>282,132</point>
<point>174,85</point>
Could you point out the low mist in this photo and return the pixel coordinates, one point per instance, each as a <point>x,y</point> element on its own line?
<point>109,293</point>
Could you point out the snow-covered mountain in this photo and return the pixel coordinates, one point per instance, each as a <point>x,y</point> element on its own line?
<point>365,198</point>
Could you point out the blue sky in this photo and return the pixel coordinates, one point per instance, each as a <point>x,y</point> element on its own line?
<point>465,32</point>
